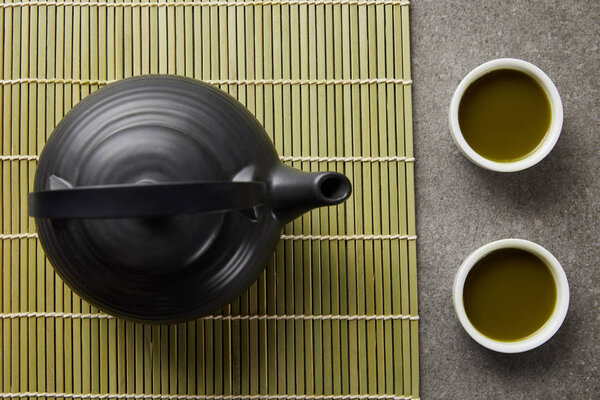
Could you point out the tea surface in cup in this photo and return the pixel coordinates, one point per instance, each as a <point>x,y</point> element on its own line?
<point>509,294</point>
<point>504,115</point>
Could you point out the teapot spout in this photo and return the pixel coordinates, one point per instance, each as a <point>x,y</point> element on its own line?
<point>294,192</point>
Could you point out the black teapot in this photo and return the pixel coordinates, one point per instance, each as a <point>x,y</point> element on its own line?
<point>161,198</point>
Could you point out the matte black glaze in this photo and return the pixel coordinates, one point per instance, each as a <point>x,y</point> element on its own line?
<point>155,245</point>
<point>145,199</point>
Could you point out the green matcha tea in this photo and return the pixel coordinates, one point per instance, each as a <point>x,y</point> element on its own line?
<point>509,294</point>
<point>504,115</point>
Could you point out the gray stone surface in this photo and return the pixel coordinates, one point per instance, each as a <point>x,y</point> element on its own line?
<point>461,207</point>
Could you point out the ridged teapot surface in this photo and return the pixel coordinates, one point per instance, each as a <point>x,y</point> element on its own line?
<point>161,198</point>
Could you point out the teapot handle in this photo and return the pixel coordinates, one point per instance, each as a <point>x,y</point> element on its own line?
<point>145,200</point>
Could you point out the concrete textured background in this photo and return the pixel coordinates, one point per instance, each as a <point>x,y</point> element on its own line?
<point>461,206</point>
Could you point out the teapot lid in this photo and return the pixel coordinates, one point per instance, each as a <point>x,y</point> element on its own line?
<point>141,132</point>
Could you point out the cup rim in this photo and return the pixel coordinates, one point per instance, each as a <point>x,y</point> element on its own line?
<point>549,140</point>
<point>547,330</point>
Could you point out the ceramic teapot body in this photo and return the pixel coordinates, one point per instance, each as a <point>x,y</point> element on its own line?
<point>160,198</point>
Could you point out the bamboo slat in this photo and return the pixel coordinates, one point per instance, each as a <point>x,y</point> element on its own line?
<point>335,313</point>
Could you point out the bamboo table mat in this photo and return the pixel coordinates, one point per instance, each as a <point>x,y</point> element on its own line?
<point>334,315</point>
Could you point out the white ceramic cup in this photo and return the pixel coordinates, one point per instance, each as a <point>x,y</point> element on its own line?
<point>555,124</point>
<point>547,330</point>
